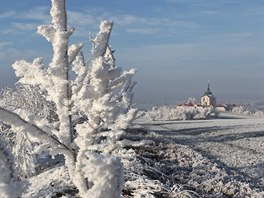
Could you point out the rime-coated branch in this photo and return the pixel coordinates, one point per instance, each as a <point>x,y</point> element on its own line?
<point>73,51</point>
<point>16,121</point>
<point>32,73</point>
<point>101,40</point>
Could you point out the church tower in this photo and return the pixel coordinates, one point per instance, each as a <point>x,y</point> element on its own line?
<point>208,98</point>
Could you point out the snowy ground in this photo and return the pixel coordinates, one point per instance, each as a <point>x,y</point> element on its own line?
<point>220,158</point>
<point>232,142</point>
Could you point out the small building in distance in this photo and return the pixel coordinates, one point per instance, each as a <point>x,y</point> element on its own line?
<point>208,99</point>
<point>221,107</point>
<point>189,106</point>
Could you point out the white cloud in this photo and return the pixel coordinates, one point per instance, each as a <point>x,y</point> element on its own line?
<point>12,54</point>
<point>87,20</point>
<point>213,53</point>
<point>22,22</point>
<point>37,14</point>
<point>241,34</point>
<point>25,26</point>
<point>7,14</point>
<point>176,1</point>
<point>143,30</point>
<point>19,28</point>
<point>209,12</point>
<point>8,30</point>
<point>81,18</point>
<point>5,44</point>
<point>126,20</point>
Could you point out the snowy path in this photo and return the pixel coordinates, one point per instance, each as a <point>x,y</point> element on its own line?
<point>234,142</point>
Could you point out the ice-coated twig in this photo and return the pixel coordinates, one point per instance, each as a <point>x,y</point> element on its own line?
<point>16,121</point>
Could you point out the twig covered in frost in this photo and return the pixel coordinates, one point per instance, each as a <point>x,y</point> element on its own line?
<point>28,100</point>
<point>20,125</point>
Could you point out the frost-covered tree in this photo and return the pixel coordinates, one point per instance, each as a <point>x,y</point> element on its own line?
<point>93,107</point>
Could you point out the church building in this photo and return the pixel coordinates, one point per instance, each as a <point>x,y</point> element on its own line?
<point>208,98</point>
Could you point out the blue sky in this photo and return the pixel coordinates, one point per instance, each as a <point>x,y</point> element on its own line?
<point>175,45</point>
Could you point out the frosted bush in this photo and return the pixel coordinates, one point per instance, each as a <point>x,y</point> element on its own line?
<point>174,113</point>
<point>244,111</point>
<point>92,110</point>
<point>259,114</point>
<point>240,110</point>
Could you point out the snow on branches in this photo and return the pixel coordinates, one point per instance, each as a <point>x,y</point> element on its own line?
<point>92,109</point>
<point>9,184</point>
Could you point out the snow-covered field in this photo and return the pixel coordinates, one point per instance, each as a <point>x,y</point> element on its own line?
<point>222,157</point>
<point>232,143</point>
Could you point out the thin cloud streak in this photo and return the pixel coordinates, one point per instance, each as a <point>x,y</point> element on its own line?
<point>6,44</point>
<point>152,21</point>
<point>143,30</point>
<point>86,20</point>
<point>37,14</point>
<point>8,14</point>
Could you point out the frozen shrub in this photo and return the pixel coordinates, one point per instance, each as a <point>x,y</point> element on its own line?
<point>244,111</point>
<point>174,113</point>
<point>92,109</point>
<point>259,114</point>
<point>241,110</point>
